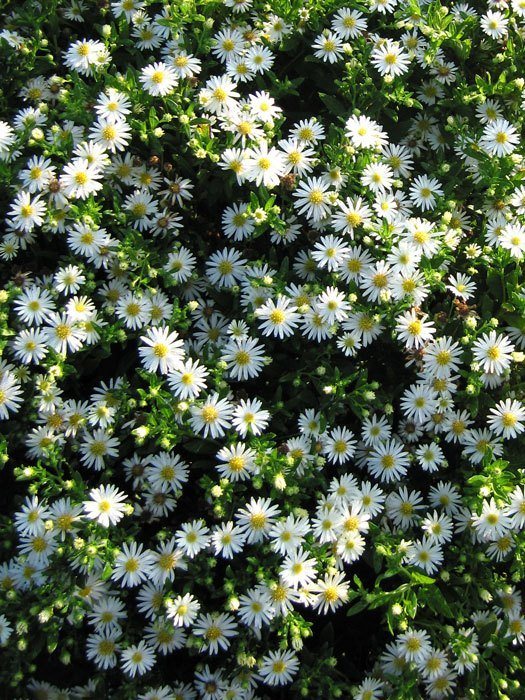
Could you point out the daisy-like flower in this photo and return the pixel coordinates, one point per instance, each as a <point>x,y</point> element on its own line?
<point>106,505</point>
<point>312,198</point>
<point>158,79</point>
<point>423,235</point>
<point>228,539</point>
<point>419,402</point>
<point>226,267</point>
<point>309,131</point>
<point>192,537</point>
<point>161,350</point>
<point>328,47</point>
<point>96,447</point>
<point>138,659</point>
<point>63,334</point>
<point>364,132</point>
<point>132,565</point>
<point>84,55</point>
<point>133,310</point>
<point>280,317</point>
<point>183,610</point>
<point>493,351</point>
<point>390,59</point>
<point>378,177</point>
<point>7,139</point>
<point>426,555</point>
<point>180,264</point>
<point>499,138</point>
<point>329,592</point>
<point>388,461</point>
<point>30,519</point>
<point>264,166</point>
<point>187,379</point>
<point>414,330</point>
<point>249,416</point>
<point>516,508</point>
<point>5,630</point>
<point>255,608</point>
<point>442,357</point>
<point>348,23</point>
<point>298,156</point>
<point>257,519</point>
<point>339,446</point>
<point>30,345</point>
<point>184,64</point>
<point>513,240</point>
<point>507,418</point>
<point>298,569</point>
<point>461,286</point>
<point>494,24</point>
<point>278,667</point>
<point>236,462</point>
<point>80,179</point>
<point>113,105</point>
<point>492,523</point>
<point>414,645</point>
<point>26,212</point>
<point>110,134</point>
<point>219,95</point>
<point>212,417</point>
<point>34,305</point>
<point>102,647</point>
<point>423,192</point>
<point>353,213</point>
<point>216,630</point>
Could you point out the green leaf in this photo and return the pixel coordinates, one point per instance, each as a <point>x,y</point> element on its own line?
<point>356,608</point>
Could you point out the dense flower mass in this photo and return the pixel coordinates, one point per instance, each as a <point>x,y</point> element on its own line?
<point>263,331</point>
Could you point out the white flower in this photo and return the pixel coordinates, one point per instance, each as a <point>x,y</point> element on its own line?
<point>10,394</point>
<point>5,630</point>
<point>248,416</point>
<point>390,59</point>
<point>499,138</point>
<point>132,565</point>
<point>97,446</point>
<point>414,330</point>
<point>84,55</point>
<point>280,317</point>
<point>158,79</point>
<point>312,198</point>
<point>330,592</point>
<point>80,179</point>
<point>278,667</point>
<point>328,46</point>
<point>7,139</point>
<point>414,645</point>
<point>183,610</point>
<point>507,418</point>
<point>188,379</point>
<point>215,630</point>
<point>106,505</point>
<point>138,659</point>
<point>513,240</point>
<point>161,350</point>
<point>348,23</point>
<point>493,352</point>
<point>212,417</point>
<point>492,523</point>
<point>494,24</point>
<point>26,213</point>
<point>110,134</point>
<point>423,192</point>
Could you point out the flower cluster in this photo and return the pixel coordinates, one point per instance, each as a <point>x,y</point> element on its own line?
<point>261,376</point>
